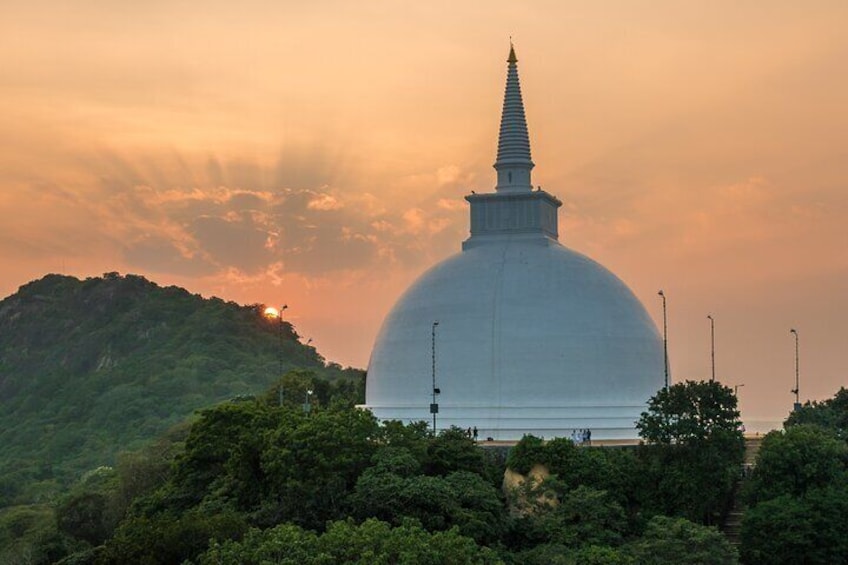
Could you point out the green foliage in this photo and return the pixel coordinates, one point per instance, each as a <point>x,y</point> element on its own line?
<point>414,438</point>
<point>831,414</point>
<point>293,388</point>
<point>395,460</point>
<point>690,481</point>
<point>28,534</point>
<point>691,413</point>
<point>677,540</point>
<point>93,508</point>
<point>313,466</point>
<point>479,510</point>
<point>222,453</point>
<point>798,459</point>
<point>798,494</point>
<point>272,464</point>
<point>291,475</point>
<point>285,544</point>
<point>600,555</point>
<point>588,517</point>
<point>90,368</point>
<point>453,450</point>
<point>529,451</point>
<point>169,538</point>
<point>557,554</point>
<point>696,483</point>
<point>268,465</point>
<point>609,469</point>
<point>393,490</point>
<point>85,517</point>
<point>693,479</point>
<point>807,529</point>
<point>370,543</point>
<point>695,451</point>
<point>576,518</point>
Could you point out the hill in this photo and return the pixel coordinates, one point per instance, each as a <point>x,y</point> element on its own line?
<point>92,367</point>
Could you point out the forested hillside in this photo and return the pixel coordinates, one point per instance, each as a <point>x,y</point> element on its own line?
<point>92,367</point>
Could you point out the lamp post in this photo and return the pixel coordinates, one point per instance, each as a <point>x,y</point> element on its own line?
<point>434,407</point>
<point>712,345</point>
<point>274,313</point>
<point>797,388</point>
<point>665,336</point>
<point>307,405</point>
<point>736,389</point>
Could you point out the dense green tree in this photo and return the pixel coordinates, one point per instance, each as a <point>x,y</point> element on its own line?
<point>293,388</point>
<point>692,413</point>
<point>530,450</point>
<point>558,554</point>
<point>312,468</point>
<point>677,540</point>
<point>170,538</point>
<point>140,472</point>
<point>453,450</point>
<point>370,543</point>
<point>414,437</point>
<point>828,508</point>
<point>613,470</point>
<point>587,516</point>
<point>795,460</point>
<point>272,464</point>
<point>479,510</point>
<point>28,534</point>
<point>695,449</point>
<point>798,494</point>
<point>285,544</point>
<point>86,517</point>
<point>393,491</point>
<point>570,518</point>
<point>223,455</point>
<point>806,529</point>
<point>777,531</point>
<point>263,465</point>
<point>831,413</point>
<point>696,483</point>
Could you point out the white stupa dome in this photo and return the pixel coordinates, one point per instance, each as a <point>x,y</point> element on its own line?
<point>517,333</point>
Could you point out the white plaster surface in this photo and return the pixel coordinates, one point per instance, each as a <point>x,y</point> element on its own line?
<point>532,338</point>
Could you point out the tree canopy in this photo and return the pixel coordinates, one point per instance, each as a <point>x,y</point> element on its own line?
<point>831,413</point>
<point>691,413</point>
<point>253,481</point>
<point>796,495</point>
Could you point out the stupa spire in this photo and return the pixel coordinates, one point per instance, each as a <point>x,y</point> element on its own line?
<point>513,163</point>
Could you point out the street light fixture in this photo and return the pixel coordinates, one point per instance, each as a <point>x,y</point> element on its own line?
<point>665,336</point>
<point>275,313</point>
<point>712,345</point>
<point>736,389</point>
<point>434,406</point>
<point>797,388</point>
<point>307,405</point>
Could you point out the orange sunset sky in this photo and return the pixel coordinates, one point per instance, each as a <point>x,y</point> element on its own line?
<point>317,154</point>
